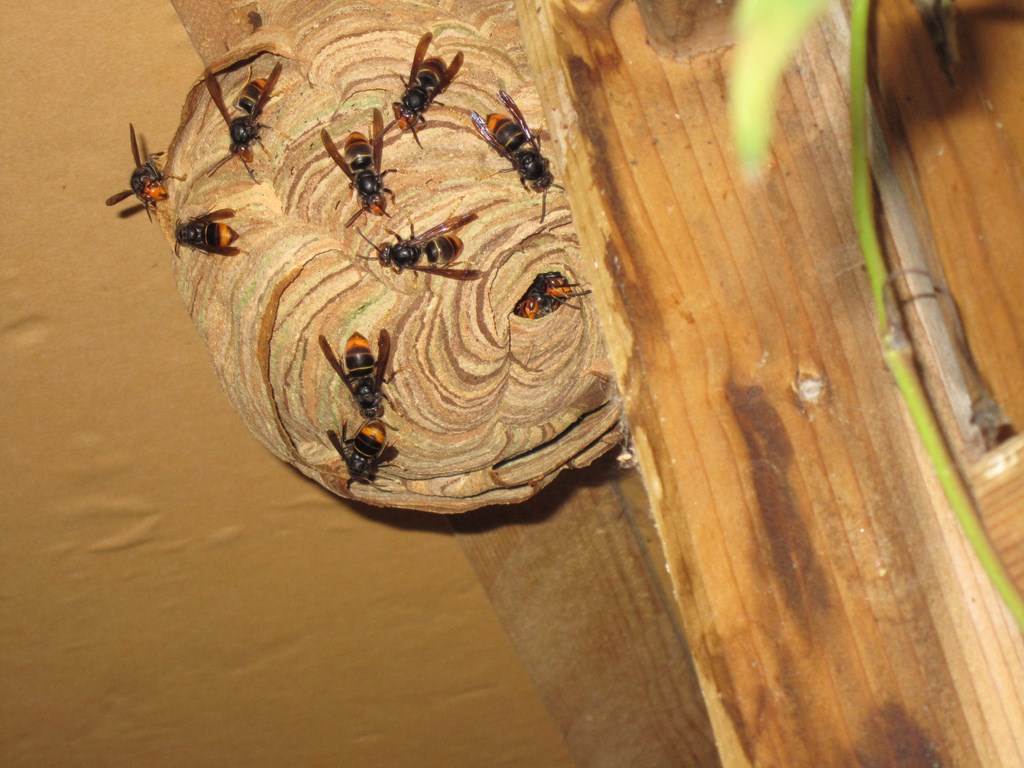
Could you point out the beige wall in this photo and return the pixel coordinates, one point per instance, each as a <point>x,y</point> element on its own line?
<point>171,595</point>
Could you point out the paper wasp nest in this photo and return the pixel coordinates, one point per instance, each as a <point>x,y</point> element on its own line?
<point>483,407</point>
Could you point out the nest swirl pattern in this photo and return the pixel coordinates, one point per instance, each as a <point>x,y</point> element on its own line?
<point>483,406</point>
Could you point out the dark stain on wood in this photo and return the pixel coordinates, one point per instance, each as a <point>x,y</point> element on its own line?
<point>634,285</point>
<point>789,543</point>
<point>587,87</point>
<point>893,737</point>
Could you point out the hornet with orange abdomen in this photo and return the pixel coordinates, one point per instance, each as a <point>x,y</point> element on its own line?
<point>208,233</point>
<point>511,138</point>
<point>360,159</point>
<point>428,79</point>
<point>244,129</point>
<point>147,181</point>
<point>437,246</point>
<point>362,372</point>
<point>364,453</point>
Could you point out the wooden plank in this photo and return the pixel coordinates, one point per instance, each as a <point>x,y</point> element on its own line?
<point>835,614</point>
<point>576,585</point>
<point>957,151</point>
<point>998,481</point>
<point>950,173</point>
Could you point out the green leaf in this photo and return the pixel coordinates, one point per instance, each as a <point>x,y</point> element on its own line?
<point>767,35</point>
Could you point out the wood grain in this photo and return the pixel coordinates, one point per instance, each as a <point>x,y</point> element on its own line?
<point>485,407</point>
<point>957,150</point>
<point>575,582</point>
<point>834,612</point>
<point>952,135</point>
<point>998,482</point>
<point>675,27</point>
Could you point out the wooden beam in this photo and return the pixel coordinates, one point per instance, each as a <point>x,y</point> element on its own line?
<point>998,481</point>
<point>956,148</point>
<point>578,588</point>
<point>835,614</point>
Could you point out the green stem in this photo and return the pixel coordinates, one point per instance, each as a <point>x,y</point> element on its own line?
<point>899,357</point>
<point>897,351</point>
<point>863,211</point>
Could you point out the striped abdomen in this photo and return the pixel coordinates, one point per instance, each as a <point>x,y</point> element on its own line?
<point>251,94</point>
<point>359,360</point>
<point>443,249</point>
<point>358,153</point>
